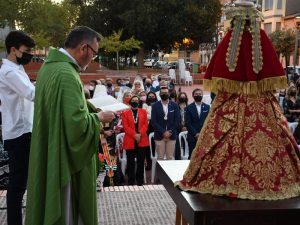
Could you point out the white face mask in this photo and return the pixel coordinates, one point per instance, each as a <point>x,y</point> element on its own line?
<point>91,88</point>
<point>117,94</point>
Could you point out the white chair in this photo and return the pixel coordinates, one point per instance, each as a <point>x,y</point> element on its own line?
<point>153,157</point>
<point>188,79</point>
<point>206,99</point>
<point>292,126</point>
<point>119,146</point>
<point>172,74</point>
<point>123,158</point>
<point>184,151</point>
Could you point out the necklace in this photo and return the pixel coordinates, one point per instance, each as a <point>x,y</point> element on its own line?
<point>135,119</point>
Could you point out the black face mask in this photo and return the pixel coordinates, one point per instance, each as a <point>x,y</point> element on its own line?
<point>109,85</point>
<point>151,100</point>
<point>198,98</point>
<point>293,93</point>
<point>164,97</point>
<point>134,104</point>
<point>182,100</point>
<point>25,59</point>
<point>148,84</point>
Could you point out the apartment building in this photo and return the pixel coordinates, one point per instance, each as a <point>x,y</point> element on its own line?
<point>280,14</point>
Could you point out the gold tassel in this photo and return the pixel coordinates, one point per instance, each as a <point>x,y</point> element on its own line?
<point>250,87</point>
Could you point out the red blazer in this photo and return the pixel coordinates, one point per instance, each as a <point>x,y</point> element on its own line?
<point>129,129</point>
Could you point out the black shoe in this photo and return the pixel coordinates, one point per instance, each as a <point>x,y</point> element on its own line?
<point>130,183</point>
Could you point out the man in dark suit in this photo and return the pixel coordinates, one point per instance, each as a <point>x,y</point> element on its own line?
<point>195,116</point>
<point>165,118</point>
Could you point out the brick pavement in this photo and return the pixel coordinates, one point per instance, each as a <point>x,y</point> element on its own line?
<point>128,205</point>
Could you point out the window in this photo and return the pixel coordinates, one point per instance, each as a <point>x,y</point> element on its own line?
<point>268,28</point>
<point>278,25</point>
<point>279,4</point>
<point>268,5</point>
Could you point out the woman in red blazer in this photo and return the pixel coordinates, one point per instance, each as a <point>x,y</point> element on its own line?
<point>135,125</point>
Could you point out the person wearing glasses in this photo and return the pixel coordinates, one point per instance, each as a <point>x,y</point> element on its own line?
<point>65,138</point>
<point>17,95</point>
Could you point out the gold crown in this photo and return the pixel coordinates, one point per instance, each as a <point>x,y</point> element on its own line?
<point>243,9</point>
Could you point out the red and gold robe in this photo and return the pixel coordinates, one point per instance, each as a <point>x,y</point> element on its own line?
<point>245,148</point>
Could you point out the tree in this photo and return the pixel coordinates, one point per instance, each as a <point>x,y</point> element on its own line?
<point>284,43</point>
<point>2,45</point>
<point>201,20</point>
<point>47,21</point>
<point>52,20</point>
<point>9,11</point>
<point>114,44</point>
<point>157,23</point>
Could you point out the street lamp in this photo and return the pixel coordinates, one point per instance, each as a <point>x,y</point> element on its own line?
<point>186,42</point>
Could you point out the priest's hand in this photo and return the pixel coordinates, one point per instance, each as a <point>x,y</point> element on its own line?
<point>106,117</point>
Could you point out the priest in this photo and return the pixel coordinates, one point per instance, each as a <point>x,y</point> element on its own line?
<point>65,138</point>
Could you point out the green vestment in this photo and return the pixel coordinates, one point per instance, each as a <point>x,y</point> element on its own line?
<point>64,144</point>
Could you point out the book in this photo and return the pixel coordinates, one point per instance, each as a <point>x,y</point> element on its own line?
<point>107,103</point>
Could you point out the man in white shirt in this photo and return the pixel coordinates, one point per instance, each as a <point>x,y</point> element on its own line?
<point>165,117</point>
<point>16,95</point>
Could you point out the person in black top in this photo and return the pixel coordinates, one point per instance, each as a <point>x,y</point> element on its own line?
<point>291,105</point>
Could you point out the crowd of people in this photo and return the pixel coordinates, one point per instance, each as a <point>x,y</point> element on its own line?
<point>289,100</point>
<point>62,138</point>
<point>154,106</point>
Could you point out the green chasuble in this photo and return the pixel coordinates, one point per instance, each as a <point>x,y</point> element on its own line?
<point>64,144</point>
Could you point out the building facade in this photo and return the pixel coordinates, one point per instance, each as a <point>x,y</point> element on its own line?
<point>282,15</point>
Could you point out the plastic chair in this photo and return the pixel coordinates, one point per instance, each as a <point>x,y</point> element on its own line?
<point>119,146</point>
<point>123,158</point>
<point>292,126</point>
<point>153,157</point>
<point>172,74</point>
<point>188,79</point>
<point>184,151</point>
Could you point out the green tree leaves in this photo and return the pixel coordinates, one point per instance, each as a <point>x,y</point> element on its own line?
<point>157,23</point>
<point>284,43</point>
<point>46,21</point>
<point>114,44</point>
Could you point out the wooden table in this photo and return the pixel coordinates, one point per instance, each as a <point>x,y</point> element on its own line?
<point>204,209</point>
